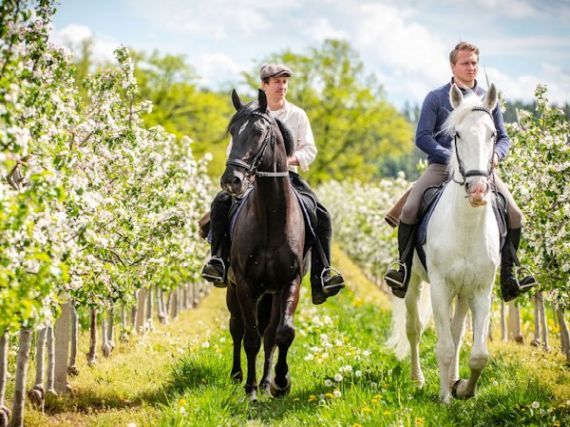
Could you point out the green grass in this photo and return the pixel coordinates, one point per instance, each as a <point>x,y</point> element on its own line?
<point>179,376</point>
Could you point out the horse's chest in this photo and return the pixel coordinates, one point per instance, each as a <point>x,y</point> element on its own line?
<point>273,268</point>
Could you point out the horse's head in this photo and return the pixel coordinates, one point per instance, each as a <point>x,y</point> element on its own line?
<point>258,146</point>
<point>472,127</point>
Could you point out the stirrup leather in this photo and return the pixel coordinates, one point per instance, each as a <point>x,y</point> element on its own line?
<point>391,282</point>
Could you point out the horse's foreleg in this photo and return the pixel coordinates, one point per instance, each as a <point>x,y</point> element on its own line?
<point>441,300</point>
<point>414,328</point>
<point>252,338</point>
<point>457,329</point>
<point>480,308</point>
<point>284,336</point>
<point>267,327</point>
<point>237,330</point>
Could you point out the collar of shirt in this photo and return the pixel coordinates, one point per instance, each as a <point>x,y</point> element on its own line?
<point>279,113</point>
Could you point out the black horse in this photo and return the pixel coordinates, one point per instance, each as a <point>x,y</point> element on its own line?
<point>267,254</point>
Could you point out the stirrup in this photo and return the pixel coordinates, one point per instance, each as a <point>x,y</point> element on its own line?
<point>216,279</point>
<point>516,273</point>
<point>333,286</point>
<point>392,283</point>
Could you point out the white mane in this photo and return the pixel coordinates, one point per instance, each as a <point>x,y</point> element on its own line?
<point>458,114</point>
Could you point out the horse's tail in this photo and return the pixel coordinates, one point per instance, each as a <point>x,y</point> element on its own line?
<point>398,340</point>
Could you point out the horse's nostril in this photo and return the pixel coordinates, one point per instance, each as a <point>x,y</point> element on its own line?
<point>236,181</point>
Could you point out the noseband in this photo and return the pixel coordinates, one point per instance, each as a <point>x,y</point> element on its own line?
<point>251,169</point>
<point>472,172</point>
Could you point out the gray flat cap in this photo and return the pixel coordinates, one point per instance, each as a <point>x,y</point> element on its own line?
<point>274,70</point>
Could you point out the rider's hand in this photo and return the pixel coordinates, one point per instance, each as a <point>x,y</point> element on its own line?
<point>292,161</point>
<point>495,160</point>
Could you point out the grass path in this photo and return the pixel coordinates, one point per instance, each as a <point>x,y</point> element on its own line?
<point>178,375</point>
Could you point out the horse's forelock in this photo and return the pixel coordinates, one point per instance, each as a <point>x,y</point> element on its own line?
<point>459,113</point>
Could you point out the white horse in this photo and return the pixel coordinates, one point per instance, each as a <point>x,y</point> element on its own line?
<point>462,253</point>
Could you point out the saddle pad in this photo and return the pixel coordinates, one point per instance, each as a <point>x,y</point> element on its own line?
<point>308,207</point>
<point>429,202</point>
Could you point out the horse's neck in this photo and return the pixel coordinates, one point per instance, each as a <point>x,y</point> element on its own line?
<point>272,199</point>
<point>460,215</point>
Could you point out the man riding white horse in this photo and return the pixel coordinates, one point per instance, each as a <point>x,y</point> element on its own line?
<point>325,281</point>
<point>464,62</point>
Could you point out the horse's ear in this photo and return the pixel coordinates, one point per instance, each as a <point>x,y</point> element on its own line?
<point>236,101</point>
<point>455,96</point>
<point>262,99</point>
<point>491,98</point>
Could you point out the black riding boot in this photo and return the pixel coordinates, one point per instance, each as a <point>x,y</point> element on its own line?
<point>325,282</point>
<point>398,279</point>
<point>215,270</point>
<point>511,287</point>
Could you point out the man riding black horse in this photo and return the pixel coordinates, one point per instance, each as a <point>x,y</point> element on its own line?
<point>325,282</point>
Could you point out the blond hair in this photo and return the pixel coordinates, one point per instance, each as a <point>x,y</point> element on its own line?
<point>462,46</point>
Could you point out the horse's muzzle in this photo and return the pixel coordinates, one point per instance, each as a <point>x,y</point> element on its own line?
<point>477,191</point>
<point>233,181</point>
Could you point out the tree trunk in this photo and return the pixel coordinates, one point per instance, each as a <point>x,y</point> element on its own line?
<point>134,313</point>
<point>141,301</point>
<point>504,334</point>
<point>174,304</point>
<point>543,324</point>
<point>37,393</point>
<point>4,412</point>
<point>92,355</point>
<point>72,365</point>
<point>50,388</point>
<point>564,335</point>
<point>162,314</point>
<point>148,315</point>
<point>515,323</point>
<point>111,326</point>
<point>195,297</point>
<point>62,338</point>
<point>105,347</point>
<point>536,334</point>
<point>185,297</point>
<point>21,373</point>
<point>124,333</point>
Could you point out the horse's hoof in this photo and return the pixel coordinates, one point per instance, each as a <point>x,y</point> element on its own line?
<point>37,396</point>
<point>278,391</point>
<point>265,387</point>
<point>419,381</point>
<point>252,396</point>
<point>458,390</point>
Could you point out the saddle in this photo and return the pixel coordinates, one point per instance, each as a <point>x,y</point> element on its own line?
<point>307,202</point>
<point>430,200</point>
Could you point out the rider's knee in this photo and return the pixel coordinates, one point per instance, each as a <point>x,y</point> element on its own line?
<point>409,213</point>
<point>516,218</point>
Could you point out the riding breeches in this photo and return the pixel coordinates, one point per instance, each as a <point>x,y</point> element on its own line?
<point>437,174</point>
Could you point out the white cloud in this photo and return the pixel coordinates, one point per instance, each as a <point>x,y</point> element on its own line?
<point>220,19</point>
<point>322,29</point>
<point>214,68</point>
<point>516,9</point>
<point>72,36</point>
<point>523,87</point>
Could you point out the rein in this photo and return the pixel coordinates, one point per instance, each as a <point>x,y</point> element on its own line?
<point>251,169</point>
<point>472,172</point>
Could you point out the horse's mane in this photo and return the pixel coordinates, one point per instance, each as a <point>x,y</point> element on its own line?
<point>458,115</point>
<point>247,109</point>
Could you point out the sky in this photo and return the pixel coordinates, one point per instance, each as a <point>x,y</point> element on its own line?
<point>405,43</point>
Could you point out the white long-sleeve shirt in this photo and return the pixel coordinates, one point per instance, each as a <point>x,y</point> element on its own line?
<point>298,124</point>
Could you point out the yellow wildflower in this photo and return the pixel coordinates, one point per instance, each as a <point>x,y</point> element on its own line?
<point>312,398</point>
<point>420,421</point>
<point>366,409</point>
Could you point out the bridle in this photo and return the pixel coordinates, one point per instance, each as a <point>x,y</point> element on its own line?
<point>251,169</point>
<point>473,172</point>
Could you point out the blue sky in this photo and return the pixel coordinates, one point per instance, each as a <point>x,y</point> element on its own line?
<point>405,43</point>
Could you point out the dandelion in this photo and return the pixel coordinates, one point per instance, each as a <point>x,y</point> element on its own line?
<point>205,344</point>
<point>535,405</point>
<point>328,383</point>
<point>373,384</point>
<point>309,356</point>
<point>358,374</point>
<point>338,378</point>
<point>312,398</point>
<point>495,383</point>
<point>386,412</point>
<point>337,393</point>
<point>366,353</point>
<point>329,395</point>
<point>366,410</point>
<point>183,411</point>
<point>420,421</point>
